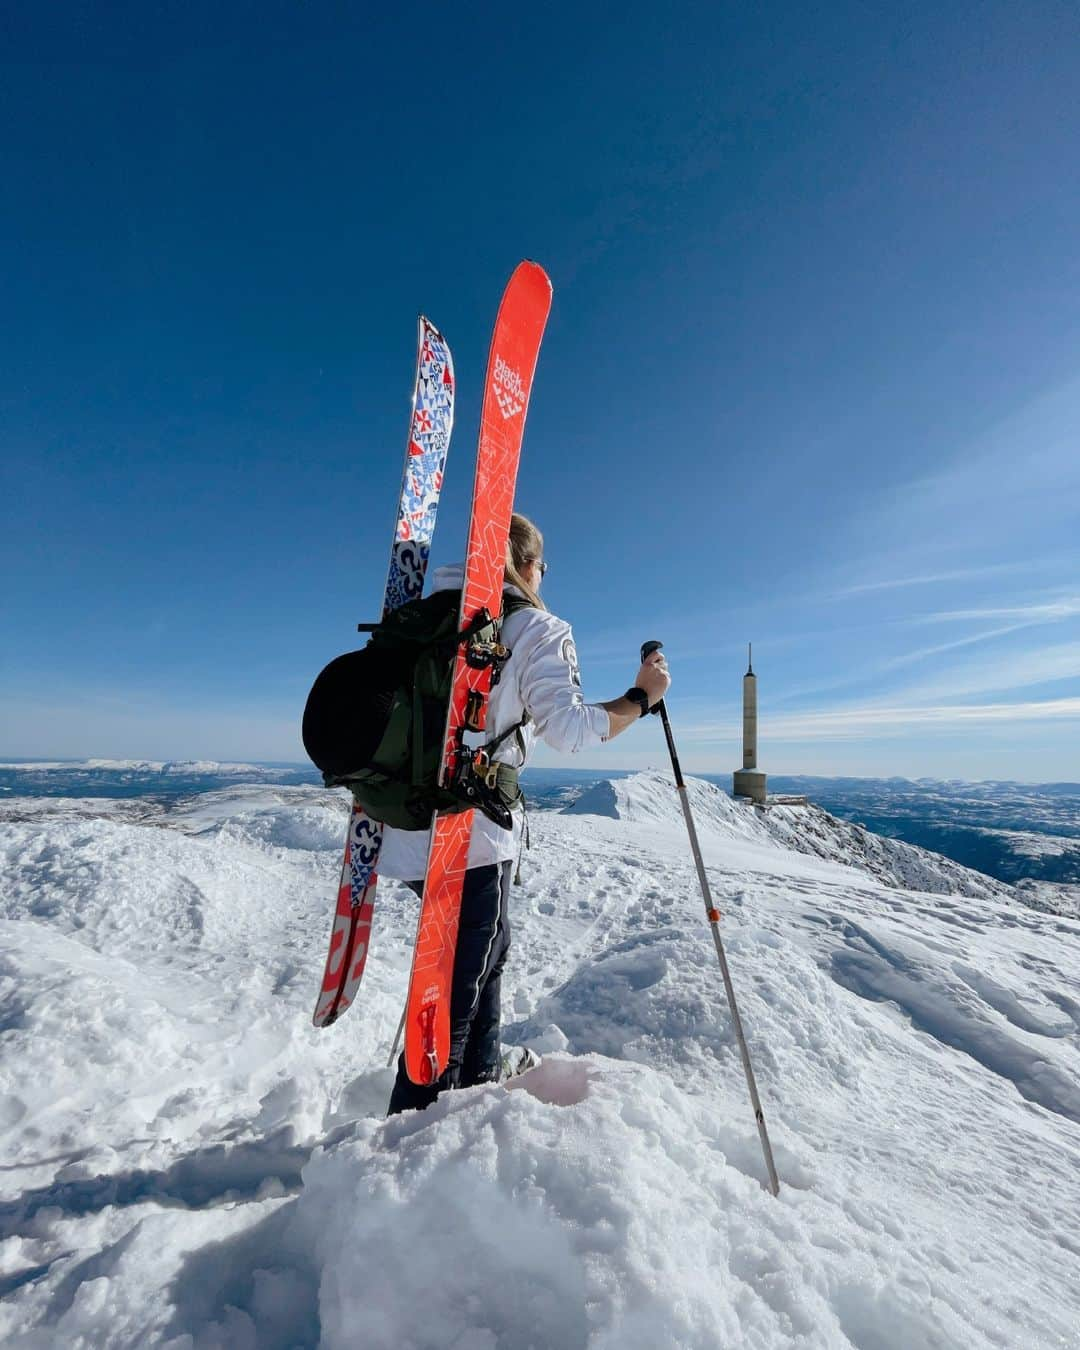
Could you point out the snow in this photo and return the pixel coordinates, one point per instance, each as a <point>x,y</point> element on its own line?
<point>189,1164</point>
<point>41,766</point>
<point>174,766</point>
<point>1052,897</point>
<point>1029,844</point>
<point>804,829</point>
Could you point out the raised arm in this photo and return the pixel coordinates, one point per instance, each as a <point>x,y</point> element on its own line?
<point>551,693</point>
<point>653,679</point>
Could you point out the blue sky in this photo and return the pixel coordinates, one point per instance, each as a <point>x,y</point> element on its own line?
<point>812,375</point>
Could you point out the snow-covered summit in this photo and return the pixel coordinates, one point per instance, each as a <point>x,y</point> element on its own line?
<point>189,1164</point>
<point>651,797</point>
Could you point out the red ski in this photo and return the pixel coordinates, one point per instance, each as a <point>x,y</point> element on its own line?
<point>515,345</point>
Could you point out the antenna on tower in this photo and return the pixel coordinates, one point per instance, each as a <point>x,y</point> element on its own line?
<point>749,658</point>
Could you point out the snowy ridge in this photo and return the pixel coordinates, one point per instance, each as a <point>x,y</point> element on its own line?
<point>189,1164</point>
<point>650,797</point>
<point>812,830</point>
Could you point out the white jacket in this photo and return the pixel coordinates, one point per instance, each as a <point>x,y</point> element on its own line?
<point>541,676</point>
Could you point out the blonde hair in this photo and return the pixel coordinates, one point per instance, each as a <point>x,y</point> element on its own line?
<point>524,545</point>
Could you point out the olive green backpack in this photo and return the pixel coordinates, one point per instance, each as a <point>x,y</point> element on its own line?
<point>375,720</point>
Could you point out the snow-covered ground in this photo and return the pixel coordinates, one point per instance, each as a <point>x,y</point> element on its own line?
<point>187,1163</point>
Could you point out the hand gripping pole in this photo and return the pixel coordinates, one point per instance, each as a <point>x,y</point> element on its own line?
<point>713,915</point>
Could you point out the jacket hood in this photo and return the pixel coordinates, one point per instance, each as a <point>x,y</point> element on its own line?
<point>450,577</point>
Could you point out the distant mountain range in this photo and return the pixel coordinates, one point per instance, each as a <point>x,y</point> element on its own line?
<point>1007,830</point>
<point>165,779</point>
<point>1010,831</point>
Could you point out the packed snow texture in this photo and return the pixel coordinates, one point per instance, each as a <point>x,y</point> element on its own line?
<point>189,1164</point>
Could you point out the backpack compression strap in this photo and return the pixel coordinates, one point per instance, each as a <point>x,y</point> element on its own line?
<point>511,605</point>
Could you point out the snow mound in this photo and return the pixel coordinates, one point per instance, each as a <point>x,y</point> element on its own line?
<point>651,997</point>
<point>297,818</point>
<point>596,1204</point>
<point>652,797</point>
<point>164,971</point>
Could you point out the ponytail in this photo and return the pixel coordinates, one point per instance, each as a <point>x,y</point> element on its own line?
<point>524,545</point>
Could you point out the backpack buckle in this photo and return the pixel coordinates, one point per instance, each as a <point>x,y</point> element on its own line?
<point>485,769</point>
<point>480,655</point>
<point>474,706</point>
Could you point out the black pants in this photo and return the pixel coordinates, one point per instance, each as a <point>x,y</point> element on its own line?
<point>482,944</point>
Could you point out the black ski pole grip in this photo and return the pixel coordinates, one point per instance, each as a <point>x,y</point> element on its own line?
<point>647,649</point>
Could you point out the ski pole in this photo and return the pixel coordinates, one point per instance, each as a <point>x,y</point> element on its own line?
<point>397,1041</point>
<point>713,915</point>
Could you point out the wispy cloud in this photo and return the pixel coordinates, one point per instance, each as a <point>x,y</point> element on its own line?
<point>1000,672</point>
<point>935,578</point>
<point>1053,611</point>
<point>847,723</point>
<point>971,640</point>
<point>911,658</point>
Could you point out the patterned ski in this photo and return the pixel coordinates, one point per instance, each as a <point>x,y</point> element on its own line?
<point>425,460</point>
<point>515,345</point>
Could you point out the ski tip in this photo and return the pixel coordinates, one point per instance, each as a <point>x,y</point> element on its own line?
<point>425,322</point>
<point>527,267</point>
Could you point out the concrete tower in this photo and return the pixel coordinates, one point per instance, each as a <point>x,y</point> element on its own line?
<point>749,781</point>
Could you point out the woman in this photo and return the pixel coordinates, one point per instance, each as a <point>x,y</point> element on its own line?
<point>541,680</point>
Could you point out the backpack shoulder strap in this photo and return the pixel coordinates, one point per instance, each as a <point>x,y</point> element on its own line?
<point>512,603</point>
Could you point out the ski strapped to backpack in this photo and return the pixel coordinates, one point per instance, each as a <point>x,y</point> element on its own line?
<point>430,426</point>
<point>376,718</point>
<point>515,345</point>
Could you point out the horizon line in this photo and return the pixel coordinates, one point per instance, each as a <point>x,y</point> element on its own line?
<point>16,762</point>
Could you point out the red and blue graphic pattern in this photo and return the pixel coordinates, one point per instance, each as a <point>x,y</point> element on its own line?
<point>425,461</point>
<point>429,438</point>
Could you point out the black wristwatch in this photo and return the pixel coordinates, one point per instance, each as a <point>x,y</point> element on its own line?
<point>640,697</point>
